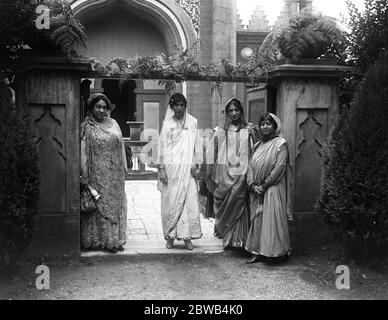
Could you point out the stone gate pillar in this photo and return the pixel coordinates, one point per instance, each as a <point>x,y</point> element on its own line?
<point>307,104</point>
<point>49,95</point>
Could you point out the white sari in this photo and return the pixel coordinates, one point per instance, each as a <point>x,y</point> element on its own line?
<point>180,202</point>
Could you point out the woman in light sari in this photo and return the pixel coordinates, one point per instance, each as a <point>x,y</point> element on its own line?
<point>227,158</point>
<point>177,173</point>
<point>103,166</point>
<point>270,195</point>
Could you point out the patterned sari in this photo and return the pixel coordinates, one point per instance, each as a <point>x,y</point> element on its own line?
<point>180,203</point>
<point>103,165</point>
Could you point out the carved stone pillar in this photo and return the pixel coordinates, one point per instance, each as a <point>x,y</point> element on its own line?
<point>307,104</point>
<point>49,95</point>
<point>224,32</point>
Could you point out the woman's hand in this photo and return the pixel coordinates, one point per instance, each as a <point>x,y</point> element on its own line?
<point>196,172</point>
<point>162,176</point>
<point>259,190</point>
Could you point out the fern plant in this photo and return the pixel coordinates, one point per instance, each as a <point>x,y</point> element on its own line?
<point>307,35</point>
<point>65,30</point>
<point>184,62</point>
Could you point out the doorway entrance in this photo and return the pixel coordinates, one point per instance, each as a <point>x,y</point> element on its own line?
<point>134,101</point>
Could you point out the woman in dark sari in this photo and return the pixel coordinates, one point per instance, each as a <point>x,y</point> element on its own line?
<point>227,159</point>
<point>103,166</point>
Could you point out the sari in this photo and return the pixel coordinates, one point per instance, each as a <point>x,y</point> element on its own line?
<point>269,234</point>
<point>103,164</point>
<point>229,150</point>
<point>179,197</point>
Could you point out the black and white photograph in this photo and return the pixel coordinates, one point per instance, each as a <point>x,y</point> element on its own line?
<point>194,155</point>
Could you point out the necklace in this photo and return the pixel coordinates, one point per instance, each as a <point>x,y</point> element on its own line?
<point>180,122</point>
<point>237,133</point>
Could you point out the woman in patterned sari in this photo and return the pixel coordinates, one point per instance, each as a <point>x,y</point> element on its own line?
<point>103,166</point>
<point>270,195</point>
<point>227,158</point>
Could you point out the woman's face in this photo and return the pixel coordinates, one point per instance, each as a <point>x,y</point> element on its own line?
<point>179,109</point>
<point>234,112</point>
<point>266,127</point>
<point>100,110</point>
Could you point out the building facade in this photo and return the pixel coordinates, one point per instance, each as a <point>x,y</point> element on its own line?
<point>131,28</point>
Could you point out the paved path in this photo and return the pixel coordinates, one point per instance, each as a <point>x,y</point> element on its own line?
<point>144,233</point>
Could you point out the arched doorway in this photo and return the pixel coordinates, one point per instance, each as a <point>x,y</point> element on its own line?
<point>122,95</point>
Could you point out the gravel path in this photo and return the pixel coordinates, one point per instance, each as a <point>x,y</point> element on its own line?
<point>308,275</point>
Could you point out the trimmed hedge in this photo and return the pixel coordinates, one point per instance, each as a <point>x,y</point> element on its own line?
<point>354,189</point>
<point>19,182</point>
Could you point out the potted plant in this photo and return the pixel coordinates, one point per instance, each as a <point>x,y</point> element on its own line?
<point>306,37</point>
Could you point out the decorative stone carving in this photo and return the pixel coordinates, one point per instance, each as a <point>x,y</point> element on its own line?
<point>50,137</point>
<point>240,25</point>
<point>258,21</point>
<point>308,167</point>
<point>311,128</point>
<point>191,8</point>
<point>47,125</point>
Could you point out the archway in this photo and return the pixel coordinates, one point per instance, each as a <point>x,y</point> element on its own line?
<point>167,16</point>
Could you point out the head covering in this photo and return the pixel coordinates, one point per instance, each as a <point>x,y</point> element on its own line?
<point>278,132</point>
<point>96,97</point>
<point>228,120</point>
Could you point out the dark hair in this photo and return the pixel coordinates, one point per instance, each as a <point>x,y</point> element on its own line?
<point>236,102</point>
<point>267,116</point>
<point>177,97</point>
<point>96,98</point>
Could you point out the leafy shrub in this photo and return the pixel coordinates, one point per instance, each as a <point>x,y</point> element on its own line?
<point>366,39</point>
<point>18,30</point>
<point>15,29</point>
<point>354,190</point>
<point>368,33</point>
<point>19,182</point>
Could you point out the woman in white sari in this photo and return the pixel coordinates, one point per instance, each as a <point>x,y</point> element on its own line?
<point>270,201</point>
<point>103,165</point>
<point>177,169</point>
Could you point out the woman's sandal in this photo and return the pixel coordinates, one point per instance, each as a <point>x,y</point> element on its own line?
<point>189,245</point>
<point>170,243</point>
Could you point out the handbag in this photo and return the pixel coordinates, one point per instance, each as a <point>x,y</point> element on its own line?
<point>87,203</point>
